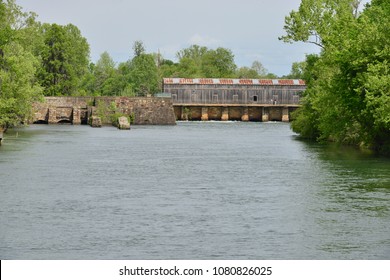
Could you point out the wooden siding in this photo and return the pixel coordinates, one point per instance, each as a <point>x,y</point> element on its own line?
<point>234,91</point>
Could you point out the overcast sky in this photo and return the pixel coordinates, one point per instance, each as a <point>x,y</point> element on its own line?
<point>250,28</point>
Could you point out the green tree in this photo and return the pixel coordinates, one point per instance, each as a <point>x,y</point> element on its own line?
<point>347,99</point>
<point>317,21</point>
<point>197,61</point>
<point>144,75</point>
<point>190,61</point>
<point>18,87</point>
<point>194,52</point>
<point>65,59</point>
<point>168,69</point>
<point>297,70</point>
<point>246,73</point>
<point>218,63</point>
<point>105,73</point>
<point>259,68</point>
<point>138,48</point>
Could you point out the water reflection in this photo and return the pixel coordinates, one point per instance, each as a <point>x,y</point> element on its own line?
<point>352,202</point>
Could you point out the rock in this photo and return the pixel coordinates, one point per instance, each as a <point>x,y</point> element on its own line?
<point>123,123</point>
<point>96,121</point>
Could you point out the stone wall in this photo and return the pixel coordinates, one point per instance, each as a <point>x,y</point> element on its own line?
<point>150,110</point>
<point>78,110</point>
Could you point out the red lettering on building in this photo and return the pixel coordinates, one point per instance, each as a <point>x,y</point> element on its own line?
<point>286,82</point>
<point>186,81</point>
<point>246,82</point>
<point>226,81</point>
<point>265,82</point>
<point>206,81</point>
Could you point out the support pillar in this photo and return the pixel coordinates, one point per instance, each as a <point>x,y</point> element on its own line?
<point>76,116</point>
<point>245,114</point>
<point>205,113</point>
<point>91,111</point>
<point>285,115</point>
<point>52,119</point>
<point>265,115</point>
<point>225,114</point>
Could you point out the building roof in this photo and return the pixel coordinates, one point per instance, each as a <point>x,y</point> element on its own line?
<point>206,81</point>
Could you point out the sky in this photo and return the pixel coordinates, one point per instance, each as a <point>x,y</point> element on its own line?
<point>249,28</point>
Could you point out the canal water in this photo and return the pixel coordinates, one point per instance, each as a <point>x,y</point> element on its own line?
<point>198,190</point>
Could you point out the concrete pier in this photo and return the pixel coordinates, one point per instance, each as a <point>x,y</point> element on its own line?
<point>226,112</point>
<point>205,114</point>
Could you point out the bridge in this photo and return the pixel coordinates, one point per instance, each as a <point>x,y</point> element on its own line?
<point>234,99</point>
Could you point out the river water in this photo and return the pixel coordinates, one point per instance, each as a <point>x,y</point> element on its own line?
<point>197,190</point>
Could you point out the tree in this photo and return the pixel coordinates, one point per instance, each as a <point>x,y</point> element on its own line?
<point>18,87</point>
<point>194,52</point>
<point>138,48</point>
<point>104,72</point>
<point>218,63</point>
<point>65,59</point>
<point>190,61</point>
<point>347,98</point>
<point>197,61</point>
<point>317,21</point>
<point>246,73</point>
<point>141,73</point>
<point>259,68</point>
<point>297,70</point>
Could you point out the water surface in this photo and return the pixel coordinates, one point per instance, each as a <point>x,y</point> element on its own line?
<point>192,191</point>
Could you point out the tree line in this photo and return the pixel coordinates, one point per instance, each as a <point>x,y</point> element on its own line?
<point>142,74</point>
<point>348,84</point>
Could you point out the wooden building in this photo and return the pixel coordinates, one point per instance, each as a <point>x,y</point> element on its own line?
<point>224,97</point>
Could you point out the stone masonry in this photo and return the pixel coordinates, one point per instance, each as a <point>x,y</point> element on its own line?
<point>79,110</point>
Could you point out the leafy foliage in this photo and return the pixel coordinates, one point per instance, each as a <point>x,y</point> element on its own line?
<point>65,59</point>
<point>348,95</point>
<point>18,86</point>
